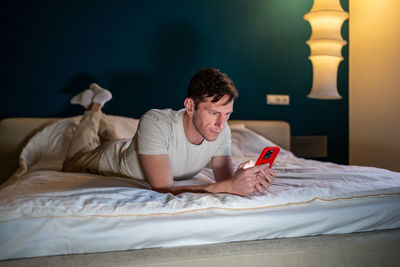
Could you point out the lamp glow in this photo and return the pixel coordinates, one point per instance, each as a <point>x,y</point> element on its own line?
<point>326,18</point>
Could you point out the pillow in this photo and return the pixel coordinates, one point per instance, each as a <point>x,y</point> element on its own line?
<point>47,149</point>
<point>124,126</point>
<point>247,143</point>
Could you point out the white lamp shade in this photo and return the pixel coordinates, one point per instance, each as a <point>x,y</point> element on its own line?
<point>326,19</point>
<point>326,24</point>
<point>324,5</point>
<point>326,47</point>
<point>324,79</point>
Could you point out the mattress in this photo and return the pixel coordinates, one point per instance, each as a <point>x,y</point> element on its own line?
<point>44,211</point>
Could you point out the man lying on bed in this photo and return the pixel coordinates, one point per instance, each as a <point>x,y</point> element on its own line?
<point>168,144</point>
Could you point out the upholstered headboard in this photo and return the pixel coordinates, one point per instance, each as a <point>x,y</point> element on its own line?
<point>16,132</point>
<point>276,131</point>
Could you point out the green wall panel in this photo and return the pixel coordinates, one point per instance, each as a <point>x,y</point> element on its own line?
<point>146,51</point>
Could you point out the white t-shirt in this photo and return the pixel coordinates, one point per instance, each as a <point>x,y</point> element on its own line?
<point>161,132</point>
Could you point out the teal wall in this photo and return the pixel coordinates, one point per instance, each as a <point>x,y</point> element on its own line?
<point>146,51</point>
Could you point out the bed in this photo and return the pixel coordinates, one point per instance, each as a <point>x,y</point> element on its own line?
<point>315,213</point>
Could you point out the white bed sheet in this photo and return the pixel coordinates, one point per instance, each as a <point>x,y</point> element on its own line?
<point>47,212</point>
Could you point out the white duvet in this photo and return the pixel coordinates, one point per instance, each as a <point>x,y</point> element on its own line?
<point>44,211</point>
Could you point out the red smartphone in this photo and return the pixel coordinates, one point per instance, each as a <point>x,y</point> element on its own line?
<point>268,155</point>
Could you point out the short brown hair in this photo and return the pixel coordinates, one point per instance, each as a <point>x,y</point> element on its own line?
<point>210,82</point>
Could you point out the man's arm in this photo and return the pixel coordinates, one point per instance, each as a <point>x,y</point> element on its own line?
<point>157,170</point>
<point>222,167</point>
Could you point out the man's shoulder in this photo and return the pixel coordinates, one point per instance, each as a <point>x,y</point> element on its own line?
<point>163,115</point>
<point>160,124</point>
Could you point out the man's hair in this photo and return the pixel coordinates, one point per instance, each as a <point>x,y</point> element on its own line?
<point>210,82</point>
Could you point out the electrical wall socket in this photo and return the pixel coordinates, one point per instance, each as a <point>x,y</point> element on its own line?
<point>278,100</point>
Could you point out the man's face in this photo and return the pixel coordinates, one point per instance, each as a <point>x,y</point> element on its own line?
<point>210,117</point>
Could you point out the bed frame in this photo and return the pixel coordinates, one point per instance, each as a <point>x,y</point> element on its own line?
<point>377,248</point>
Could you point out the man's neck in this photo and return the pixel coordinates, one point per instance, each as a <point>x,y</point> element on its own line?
<point>192,135</point>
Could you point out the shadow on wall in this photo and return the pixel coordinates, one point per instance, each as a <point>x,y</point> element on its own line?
<point>175,54</point>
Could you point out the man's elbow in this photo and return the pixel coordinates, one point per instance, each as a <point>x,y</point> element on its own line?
<point>164,188</point>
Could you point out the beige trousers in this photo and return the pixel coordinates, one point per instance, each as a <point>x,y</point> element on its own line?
<point>91,138</point>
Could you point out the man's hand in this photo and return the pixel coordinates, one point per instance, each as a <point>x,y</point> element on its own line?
<point>249,178</point>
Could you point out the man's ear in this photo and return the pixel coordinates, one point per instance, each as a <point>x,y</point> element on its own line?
<point>189,105</point>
